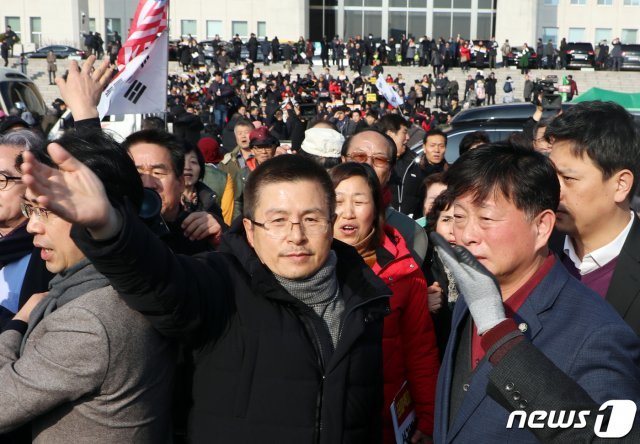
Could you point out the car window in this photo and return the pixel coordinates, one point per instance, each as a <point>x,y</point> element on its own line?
<point>455,137</point>
<point>13,92</point>
<point>580,46</point>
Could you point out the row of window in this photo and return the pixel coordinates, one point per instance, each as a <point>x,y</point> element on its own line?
<point>599,2</point>
<point>215,27</point>
<point>35,27</point>
<point>456,4</point>
<point>580,35</point>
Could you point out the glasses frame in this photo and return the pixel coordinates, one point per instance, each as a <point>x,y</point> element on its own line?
<point>29,210</point>
<point>289,228</point>
<point>8,179</point>
<point>377,160</point>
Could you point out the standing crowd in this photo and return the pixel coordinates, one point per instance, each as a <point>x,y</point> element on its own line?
<point>290,293</point>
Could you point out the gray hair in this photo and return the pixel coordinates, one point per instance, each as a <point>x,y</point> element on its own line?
<point>23,138</point>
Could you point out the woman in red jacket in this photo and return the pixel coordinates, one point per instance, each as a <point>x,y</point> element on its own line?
<point>409,345</point>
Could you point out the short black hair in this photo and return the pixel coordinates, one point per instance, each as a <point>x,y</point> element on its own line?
<point>286,168</point>
<point>162,138</point>
<point>435,132</point>
<point>347,170</point>
<point>391,123</point>
<point>391,145</point>
<point>106,158</point>
<point>524,177</point>
<point>471,139</point>
<point>604,131</point>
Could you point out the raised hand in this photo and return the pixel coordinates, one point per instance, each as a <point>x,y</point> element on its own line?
<point>477,285</point>
<point>73,191</point>
<point>82,89</point>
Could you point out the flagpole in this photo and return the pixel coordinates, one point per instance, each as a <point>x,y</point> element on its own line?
<point>166,101</point>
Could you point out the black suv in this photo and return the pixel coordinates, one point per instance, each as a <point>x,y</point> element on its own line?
<point>580,55</point>
<point>631,56</point>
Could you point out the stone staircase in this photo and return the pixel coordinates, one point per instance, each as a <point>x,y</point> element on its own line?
<point>625,81</point>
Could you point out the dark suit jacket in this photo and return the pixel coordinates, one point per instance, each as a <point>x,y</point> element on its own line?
<point>524,369</point>
<point>624,289</point>
<point>578,332</point>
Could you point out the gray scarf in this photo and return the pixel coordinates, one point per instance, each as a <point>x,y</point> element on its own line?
<point>321,292</point>
<point>74,282</point>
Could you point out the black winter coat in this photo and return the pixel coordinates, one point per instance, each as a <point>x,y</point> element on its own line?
<point>258,375</point>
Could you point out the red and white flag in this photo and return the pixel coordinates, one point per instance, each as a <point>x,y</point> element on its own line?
<point>141,83</point>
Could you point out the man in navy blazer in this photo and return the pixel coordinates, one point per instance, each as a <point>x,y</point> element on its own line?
<point>505,201</point>
<point>596,151</point>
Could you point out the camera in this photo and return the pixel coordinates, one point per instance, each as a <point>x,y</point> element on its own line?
<point>550,100</point>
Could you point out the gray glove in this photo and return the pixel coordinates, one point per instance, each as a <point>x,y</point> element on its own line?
<point>476,284</point>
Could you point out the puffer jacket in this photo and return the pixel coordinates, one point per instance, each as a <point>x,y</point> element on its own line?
<point>409,343</point>
<point>258,373</point>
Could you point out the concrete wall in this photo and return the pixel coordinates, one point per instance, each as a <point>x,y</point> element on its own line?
<point>516,21</point>
<point>285,18</point>
<point>61,20</point>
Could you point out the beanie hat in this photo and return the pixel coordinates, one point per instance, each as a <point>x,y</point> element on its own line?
<point>210,149</point>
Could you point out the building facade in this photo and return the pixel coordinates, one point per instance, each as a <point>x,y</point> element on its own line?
<point>43,22</point>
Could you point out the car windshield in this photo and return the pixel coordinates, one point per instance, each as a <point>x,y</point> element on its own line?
<point>14,92</point>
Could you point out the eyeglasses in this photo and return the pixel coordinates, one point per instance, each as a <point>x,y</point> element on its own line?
<point>4,180</point>
<point>377,160</point>
<point>29,210</point>
<point>281,227</point>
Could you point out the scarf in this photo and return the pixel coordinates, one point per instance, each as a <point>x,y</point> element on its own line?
<point>15,245</point>
<point>367,248</point>
<point>72,283</point>
<point>321,293</point>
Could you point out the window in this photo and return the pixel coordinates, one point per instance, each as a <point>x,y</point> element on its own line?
<point>603,34</point>
<point>398,3</point>
<point>240,28</point>
<point>14,22</point>
<point>397,23</point>
<point>605,2</point>
<point>188,27</point>
<point>576,34</point>
<point>112,25</point>
<point>442,25</point>
<point>262,29</point>
<point>550,34</point>
<point>632,2</point>
<point>461,24</point>
<point>483,30</point>
<point>551,2</point>
<point>214,27</point>
<point>418,24</point>
<point>372,23</point>
<point>353,2</point>
<point>36,30</point>
<point>441,4</point>
<point>462,4</point>
<point>629,36</point>
<point>352,23</point>
<point>485,4</point>
<point>578,2</point>
<point>92,24</point>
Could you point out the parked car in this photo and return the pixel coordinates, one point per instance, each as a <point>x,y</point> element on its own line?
<point>16,88</point>
<point>516,52</point>
<point>580,55</point>
<point>60,51</point>
<point>631,56</point>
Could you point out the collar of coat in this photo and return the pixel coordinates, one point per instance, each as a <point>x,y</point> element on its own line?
<point>353,274</point>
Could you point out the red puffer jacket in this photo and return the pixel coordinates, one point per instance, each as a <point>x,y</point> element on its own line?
<point>409,344</point>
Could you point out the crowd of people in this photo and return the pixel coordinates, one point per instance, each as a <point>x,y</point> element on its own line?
<point>289,293</point>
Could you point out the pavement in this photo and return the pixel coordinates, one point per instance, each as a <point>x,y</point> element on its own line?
<point>623,81</point>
